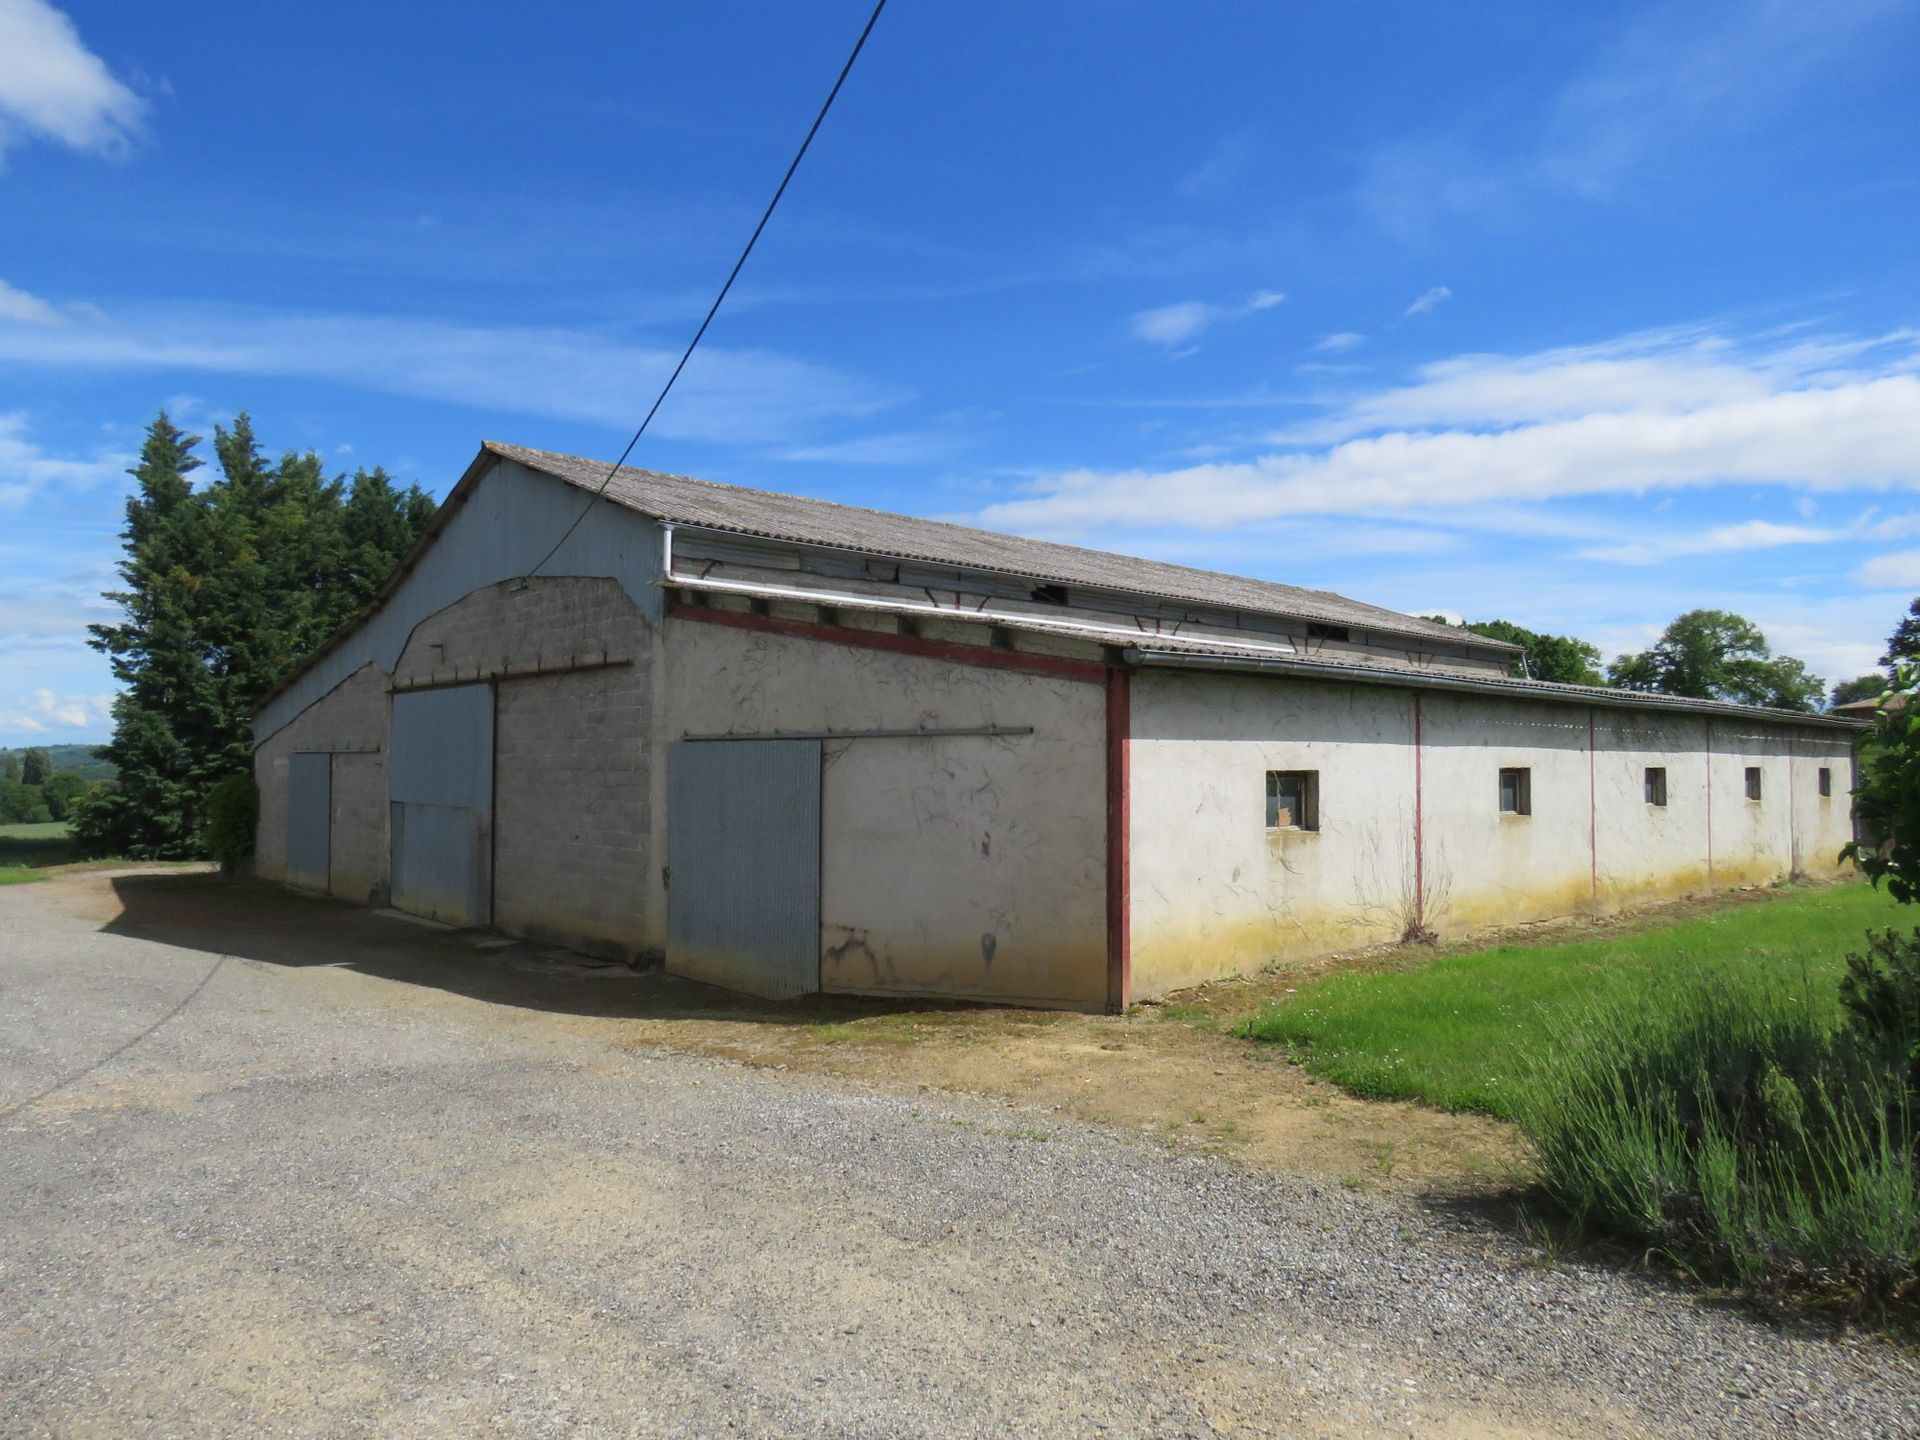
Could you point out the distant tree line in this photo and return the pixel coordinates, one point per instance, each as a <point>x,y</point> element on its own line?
<point>1702,655</point>
<point>33,792</point>
<point>227,587</point>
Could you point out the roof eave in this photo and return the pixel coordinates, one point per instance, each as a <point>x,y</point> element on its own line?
<point>1532,690</point>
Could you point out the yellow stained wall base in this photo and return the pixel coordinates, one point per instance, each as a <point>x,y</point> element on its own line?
<point>1183,953</point>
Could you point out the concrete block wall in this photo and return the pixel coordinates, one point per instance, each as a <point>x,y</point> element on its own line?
<point>517,626</point>
<point>350,721</point>
<point>570,660</point>
<point>571,809</point>
<point>357,851</point>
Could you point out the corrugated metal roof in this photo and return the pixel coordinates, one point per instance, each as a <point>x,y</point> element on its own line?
<point>1231,656</point>
<point>797,519</point>
<point>1255,658</point>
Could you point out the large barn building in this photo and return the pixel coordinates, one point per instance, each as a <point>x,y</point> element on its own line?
<point>794,746</point>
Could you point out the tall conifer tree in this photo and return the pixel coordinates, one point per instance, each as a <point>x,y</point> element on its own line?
<point>228,588</point>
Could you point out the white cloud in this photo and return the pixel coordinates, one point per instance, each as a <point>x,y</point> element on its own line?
<point>1645,413</point>
<point>912,447</point>
<point>1429,300</point>
<point>25,468</point>
<point>1896,570</point>
<point>1339,343</point>
<point>42,712</point>
<point>749,396</point>
<point>1719,540</point>
<point>18,305</point>
<point>53,87</point>
<point>1180,324</point>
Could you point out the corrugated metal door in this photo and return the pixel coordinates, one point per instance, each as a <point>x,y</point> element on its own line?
<point>440,784</point>
<point>743,837</point>
<point>309,818</point>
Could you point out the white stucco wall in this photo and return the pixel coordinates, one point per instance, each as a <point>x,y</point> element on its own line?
<point>957,866</point>
<point>1214,892</point>
<point>1484,867</point>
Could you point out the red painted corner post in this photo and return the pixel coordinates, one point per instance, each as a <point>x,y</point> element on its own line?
<point>1119,880</point>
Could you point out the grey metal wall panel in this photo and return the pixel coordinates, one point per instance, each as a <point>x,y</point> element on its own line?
<point>440,783</point>
<point>442,862</point>
<point>507,523</point>
<point>309,818</point>
<point>743,839</point>
<point>442,746</point>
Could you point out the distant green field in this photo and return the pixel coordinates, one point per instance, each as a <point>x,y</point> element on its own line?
<point>24,848</point>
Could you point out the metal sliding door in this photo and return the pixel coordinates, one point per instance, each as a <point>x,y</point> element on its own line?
<point>743,836</point>
<point>309,819</point>
<point>440,785</point>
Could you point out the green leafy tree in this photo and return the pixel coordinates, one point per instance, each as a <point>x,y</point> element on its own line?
<point>1861,687</point>
<point>10,767</point>
<point>1716,655</point>
<point>21,804</point>
<point>227,587</point>
<point>1886,793</point>
<point>36,767</point>
<point>62,792</point>
<point>1904,642</point>
<point>1560,658</point>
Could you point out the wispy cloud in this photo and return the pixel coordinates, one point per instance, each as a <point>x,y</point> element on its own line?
<point>1716,540</point>
<point>1896,570</point>
<point>17,305</point>
<point>906,447</point>
<point>1339,343</point>
<point>749,396</point>
<point>44,713</point>
<point>1428,301</point>
<point>26,468</point>
<point>1183,323</point>
<point>1677,77</point>
<point>53,87</point>
<point>1644,413</point>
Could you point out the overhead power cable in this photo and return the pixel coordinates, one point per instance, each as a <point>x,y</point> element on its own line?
<point>732,275</point>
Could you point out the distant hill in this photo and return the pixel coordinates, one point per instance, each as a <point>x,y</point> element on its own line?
<point>77,758</point>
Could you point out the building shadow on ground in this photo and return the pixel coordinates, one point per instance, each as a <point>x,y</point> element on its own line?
<point>260,921</point>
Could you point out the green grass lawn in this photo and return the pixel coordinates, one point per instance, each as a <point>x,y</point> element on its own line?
<point>25,848</point>
<point>1457,1032</point>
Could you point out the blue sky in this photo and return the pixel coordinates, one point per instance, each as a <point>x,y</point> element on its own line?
<point>1576,316</point>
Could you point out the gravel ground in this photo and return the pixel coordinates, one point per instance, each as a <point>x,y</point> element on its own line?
<point>316,1201</point>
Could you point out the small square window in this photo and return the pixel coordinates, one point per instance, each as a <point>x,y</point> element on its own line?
<point>1293,799</point>
<point>1656,785</point>
<point>1516,792</point>
<point>1753,782</point>
<point>1826,783</point>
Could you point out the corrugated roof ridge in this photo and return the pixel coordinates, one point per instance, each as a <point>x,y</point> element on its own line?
<point>1379,617</point>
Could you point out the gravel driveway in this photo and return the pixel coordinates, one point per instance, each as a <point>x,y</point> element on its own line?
<point>321,1201</point>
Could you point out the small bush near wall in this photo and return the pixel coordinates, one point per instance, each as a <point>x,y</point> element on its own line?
<point>233,811</point>
<point>1740,1133</point>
